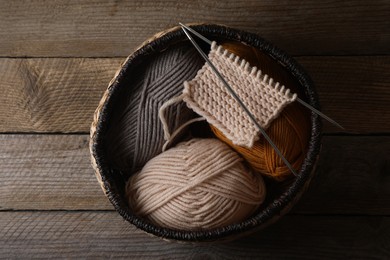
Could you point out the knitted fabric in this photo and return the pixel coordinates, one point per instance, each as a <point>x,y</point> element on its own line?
<point>207,96</point>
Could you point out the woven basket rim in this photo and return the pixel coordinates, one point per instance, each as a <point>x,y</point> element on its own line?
<point>274,210</point>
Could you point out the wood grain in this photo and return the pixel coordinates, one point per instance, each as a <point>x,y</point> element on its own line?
<point>56,59</point>
<point>48,172</point>
<point>354,91</point>
<point>353,177</point>
<point>114,28</point>
<point>52,95</point>
<point>105,234</point>
<point>60,95</point>
<point>53,172</point>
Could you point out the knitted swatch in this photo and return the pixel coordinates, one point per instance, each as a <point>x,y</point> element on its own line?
<point>199,184</point>
<point>290,131</point>
<point>135,134</point>
<point>207,96</point>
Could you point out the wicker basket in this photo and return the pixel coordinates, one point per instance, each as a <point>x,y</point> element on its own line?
<point>113,183</point>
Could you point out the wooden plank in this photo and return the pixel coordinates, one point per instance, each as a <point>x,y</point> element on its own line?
<point>46,172</point>
<point>60,95</point>
<point>105,234</point>
<point>352,177</point>
<point>52,95</point>
<point>353,90</point>
<point>114,28</point>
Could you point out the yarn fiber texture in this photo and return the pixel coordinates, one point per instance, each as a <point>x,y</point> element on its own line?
<point>290,131</point>
<point>197,185</point>
<point>135,134</point>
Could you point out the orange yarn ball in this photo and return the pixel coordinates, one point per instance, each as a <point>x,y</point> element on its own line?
<point>290,131</point>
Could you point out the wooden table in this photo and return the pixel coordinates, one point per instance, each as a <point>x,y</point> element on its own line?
<point>56,59</point>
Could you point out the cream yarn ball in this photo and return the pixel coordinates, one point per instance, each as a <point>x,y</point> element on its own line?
<point>197,185</point>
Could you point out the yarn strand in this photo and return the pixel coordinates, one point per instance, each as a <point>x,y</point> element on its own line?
<point>168,137</point>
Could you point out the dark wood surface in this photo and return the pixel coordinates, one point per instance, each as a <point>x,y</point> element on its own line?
<point>56,59</point>
<point>104,234</point>
<point>58,28</point>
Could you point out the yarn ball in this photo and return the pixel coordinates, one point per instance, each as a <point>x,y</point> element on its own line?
<point>197,185</point>
<point>290,132</point>
<point>135,134</point>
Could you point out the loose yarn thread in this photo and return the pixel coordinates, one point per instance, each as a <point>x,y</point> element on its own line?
<point>136,134</point>
<point>290,131</point>
<point>198,185</point>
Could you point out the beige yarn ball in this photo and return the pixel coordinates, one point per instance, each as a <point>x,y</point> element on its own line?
<point>197,185</point>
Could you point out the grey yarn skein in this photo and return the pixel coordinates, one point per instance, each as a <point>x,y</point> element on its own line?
<point>136,134</point>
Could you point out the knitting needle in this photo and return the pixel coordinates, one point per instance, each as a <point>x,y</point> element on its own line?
<point>196,33</point>
<point>231,91</point>
<point>319,113</point>
<point>298,99</point>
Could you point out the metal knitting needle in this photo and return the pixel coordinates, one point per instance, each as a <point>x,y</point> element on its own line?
<point>319,113</point>
<point>298,99</point>
<point>196,33</point>
<point>231,91</point>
